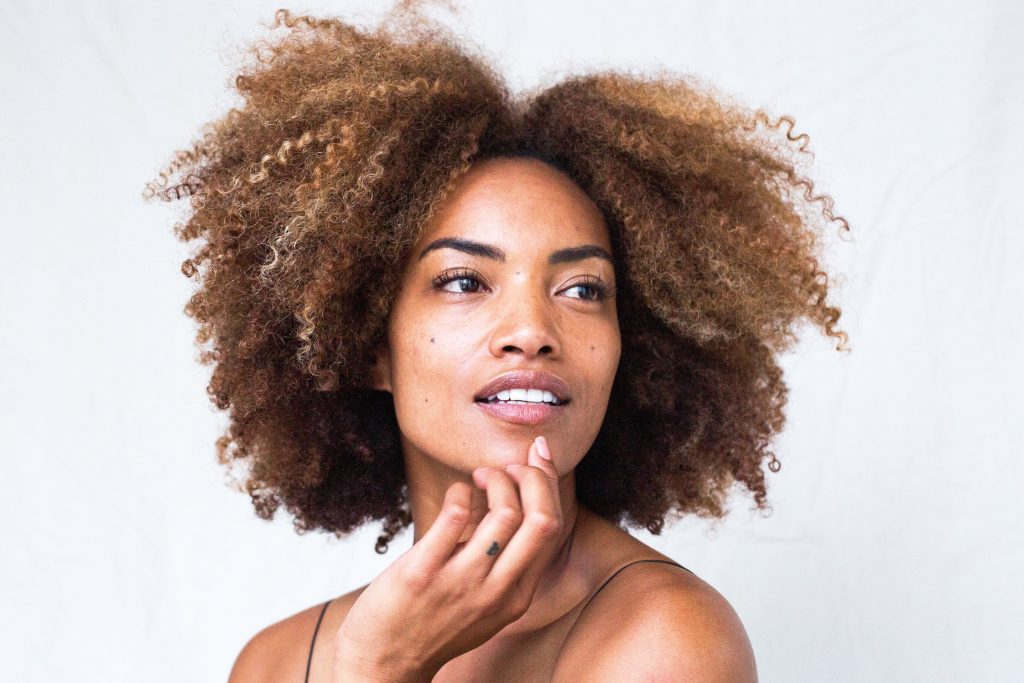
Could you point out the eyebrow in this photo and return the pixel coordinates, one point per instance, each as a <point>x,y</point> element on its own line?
<point>567,255</point>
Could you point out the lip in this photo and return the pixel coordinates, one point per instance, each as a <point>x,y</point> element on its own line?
<point>522,413</point>
<point>526,379</point>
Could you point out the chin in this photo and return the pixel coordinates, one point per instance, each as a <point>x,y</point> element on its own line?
<point>506,451</point>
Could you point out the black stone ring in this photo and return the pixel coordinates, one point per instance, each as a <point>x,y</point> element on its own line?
<point>493,550</point>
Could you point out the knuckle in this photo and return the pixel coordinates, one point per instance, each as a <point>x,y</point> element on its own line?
<point>458,592</point>
<point>416,578</point>
<point>461,490</point>
<point>458,513</point>
<point>490,605</point>
<point>545,523</point>
<point>508,516</point>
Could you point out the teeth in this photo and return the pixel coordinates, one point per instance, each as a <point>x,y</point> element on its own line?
<point>525,395</point>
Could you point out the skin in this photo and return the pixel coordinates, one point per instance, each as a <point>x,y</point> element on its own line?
<point>520,313</point>
<point>445,342</point>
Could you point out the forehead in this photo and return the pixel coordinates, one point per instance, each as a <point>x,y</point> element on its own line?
<point>519,203</point>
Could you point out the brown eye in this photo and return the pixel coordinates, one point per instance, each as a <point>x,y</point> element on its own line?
<point>593,290</point>
<point>465,285</point>
<point>592,295</point>
<point>465,282</point>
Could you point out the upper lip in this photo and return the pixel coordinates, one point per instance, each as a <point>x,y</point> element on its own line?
<point>526,379</point>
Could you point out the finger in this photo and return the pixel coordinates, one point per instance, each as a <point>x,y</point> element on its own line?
<point>504,515</point>
<point>437,544</point>
<point>536,458</point>
<point>528,552</point>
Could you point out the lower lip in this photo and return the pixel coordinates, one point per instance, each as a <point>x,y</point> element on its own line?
<point>522,413</point>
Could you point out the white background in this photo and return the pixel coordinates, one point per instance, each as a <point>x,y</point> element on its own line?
<point>894,551</point>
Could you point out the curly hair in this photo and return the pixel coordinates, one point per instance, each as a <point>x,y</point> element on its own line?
<point>305,202</point>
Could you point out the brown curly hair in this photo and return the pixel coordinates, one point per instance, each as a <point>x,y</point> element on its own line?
<point>307,198</point>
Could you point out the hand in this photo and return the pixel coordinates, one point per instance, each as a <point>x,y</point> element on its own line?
<point>442,598</point>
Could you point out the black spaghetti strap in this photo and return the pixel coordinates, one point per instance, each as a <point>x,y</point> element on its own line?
<point>309,661</point>
<point>623,567</point>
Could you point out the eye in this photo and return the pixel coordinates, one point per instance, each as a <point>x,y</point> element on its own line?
<point>466,281</point>
<point>593,288</point>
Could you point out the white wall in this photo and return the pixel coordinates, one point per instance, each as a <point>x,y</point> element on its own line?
<point>894,552</point>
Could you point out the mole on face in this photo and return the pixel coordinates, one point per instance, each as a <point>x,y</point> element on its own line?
<point>431,340</point>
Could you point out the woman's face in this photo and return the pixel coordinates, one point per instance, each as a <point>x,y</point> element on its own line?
<point>512,275</point>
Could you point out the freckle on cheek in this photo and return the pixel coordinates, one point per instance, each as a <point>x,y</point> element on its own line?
<point>431,340</point>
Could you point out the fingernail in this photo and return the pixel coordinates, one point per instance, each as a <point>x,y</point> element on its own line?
<point>542,448</point>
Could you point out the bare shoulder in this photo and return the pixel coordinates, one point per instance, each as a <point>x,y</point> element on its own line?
<point>280,651</point>
<point>657,622</point>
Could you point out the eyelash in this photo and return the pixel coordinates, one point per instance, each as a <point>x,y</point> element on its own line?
<point>602,290</point>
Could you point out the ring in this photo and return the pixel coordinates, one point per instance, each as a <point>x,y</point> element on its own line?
<point>493,550</point>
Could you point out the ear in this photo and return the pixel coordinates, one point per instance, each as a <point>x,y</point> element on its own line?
<point>380,373</point>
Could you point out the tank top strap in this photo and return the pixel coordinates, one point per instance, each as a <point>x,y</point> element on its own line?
<point>312,642</point>
<point>616,573</point>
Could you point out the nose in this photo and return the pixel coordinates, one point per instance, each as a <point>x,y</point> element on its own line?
<point>526,327</point>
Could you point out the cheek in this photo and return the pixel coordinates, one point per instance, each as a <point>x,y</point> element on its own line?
<point>426,364</point>
<point>415,362</point>
<point>430,394</point>
<point>603,354</point>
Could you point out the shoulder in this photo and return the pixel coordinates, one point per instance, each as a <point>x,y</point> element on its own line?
<point>280,651</point>
<point>657,622</point>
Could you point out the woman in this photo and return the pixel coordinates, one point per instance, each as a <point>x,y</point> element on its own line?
<point>514,324</point>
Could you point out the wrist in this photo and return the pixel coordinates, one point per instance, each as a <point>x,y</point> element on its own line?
<point>356,663</point>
